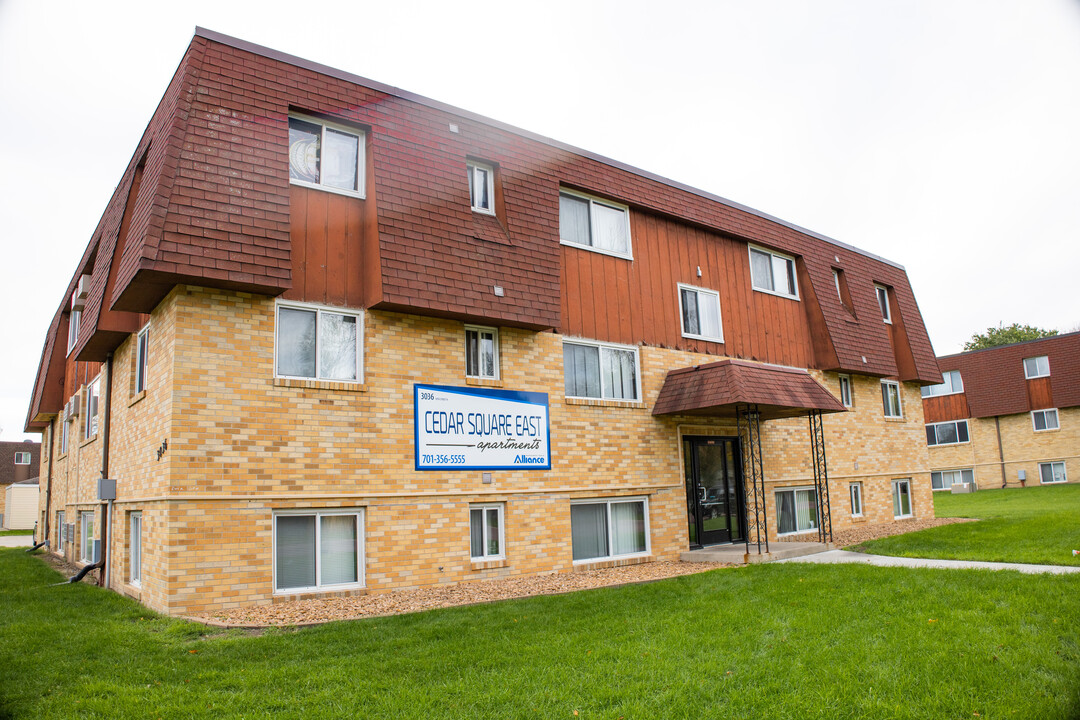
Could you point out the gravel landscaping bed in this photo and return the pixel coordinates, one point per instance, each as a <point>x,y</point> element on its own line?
<point>304,612</point>
<point>854,536</point>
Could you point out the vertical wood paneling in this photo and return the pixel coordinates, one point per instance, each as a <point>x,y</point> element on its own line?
<point>611,299</point>
<point>1040,395</point>
<point>946,407</point>
<point>328,233</point>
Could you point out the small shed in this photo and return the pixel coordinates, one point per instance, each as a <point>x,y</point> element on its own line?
<point>20,505</point>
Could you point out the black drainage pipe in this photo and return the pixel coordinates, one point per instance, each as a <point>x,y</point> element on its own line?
<point>82,573</point>
<point>39,545</point>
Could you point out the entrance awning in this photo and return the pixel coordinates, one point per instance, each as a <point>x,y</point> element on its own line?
<point>718,388</point>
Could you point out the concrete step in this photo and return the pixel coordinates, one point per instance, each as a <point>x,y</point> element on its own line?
<point>736,554</point>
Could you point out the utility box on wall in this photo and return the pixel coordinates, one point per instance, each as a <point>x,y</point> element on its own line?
<point>106,489</point>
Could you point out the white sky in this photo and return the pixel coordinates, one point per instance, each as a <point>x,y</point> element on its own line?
<point>943,135</point>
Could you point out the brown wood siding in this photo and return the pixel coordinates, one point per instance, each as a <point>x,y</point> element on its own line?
<point>1040,396</point>
<point>328,244</point>
<point>616,300</point>
<point>945,407</point>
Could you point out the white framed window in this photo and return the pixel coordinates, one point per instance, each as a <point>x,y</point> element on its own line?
<point>901,499</point>
<point>481,187</point>
<point>845,391</point>
<point>318,549</point>
<point>319,343</point>
<point>22,458</point>
<point>605,529</point>
<point>600,370</point>
<point>952,432</point>
<point>73,329</point>
<point>142,358</point>
<point>86,537</point>
<point>882,293</point>
<point>326,155</point>
<point>773,273</point>
<point>93,397</point>
<point>61,533</point>
<point>952,385</point>
<point>945,479</point>
<point>65,432</point>
<point>1036,367</point>
<point>135,549</point>
<point>855,490</point>
<point>593,223</point>
<point>890,399</point>
<point>700,312</point>
<point>796,510</point>
<point>1052,472</point>
<point>486,532</point>
<point>1044,420</point>
<point>836,281</point>
<point>481,352</point>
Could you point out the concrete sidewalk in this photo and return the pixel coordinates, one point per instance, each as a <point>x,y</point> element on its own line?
<point>16,540</point>
<point>844,556</point>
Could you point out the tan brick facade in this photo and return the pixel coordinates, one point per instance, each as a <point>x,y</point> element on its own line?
<point>236,445</point>
<point>1021,449</point>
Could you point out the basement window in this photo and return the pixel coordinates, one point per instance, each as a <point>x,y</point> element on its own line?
<point>901,490</point>
<point>1052,472</point>
<point>486,532</point>
<point>318,550</point>
<point>326,156</point>
<point>945,479</point>
<point>796,511</point>
<point>606,529</point>
<point>855,489</point>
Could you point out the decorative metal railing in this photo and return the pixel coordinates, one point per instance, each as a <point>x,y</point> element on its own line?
<point>757,517</point>
<point>821,476</point>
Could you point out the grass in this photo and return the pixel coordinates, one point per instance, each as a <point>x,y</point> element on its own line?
<point>774,641</point>
<point>1039,525</point>
<point>6,533</point>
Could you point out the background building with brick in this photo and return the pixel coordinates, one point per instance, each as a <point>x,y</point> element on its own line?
<point>300,264</point>
<point>19,462</point>
<point>1006,416</point>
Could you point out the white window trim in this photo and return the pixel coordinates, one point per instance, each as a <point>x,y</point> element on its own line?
<point>854,489</point>
<point>951,422</point>
<point>1051,464</point>
<point>608,502</point>
<point>472,166</point>
<point>484,507</point>
<point>134,581</point>
<point>924,388</point>
<point>361,149</point>
<point>887,318</point>
<point>141,371</point>
<point>86,537</point>
<point>603,389</point>
<point>776,505</point>
<point>850,390</point>
<point>899,400</point>
<point>719,312</point>
<point>1057,420</point>
<point>836,281</point>
<point>495,338</point>
<point>1036,359</point>
<point>90,419</point>
<point>946,488</point>
<point>361,560</point>
<point>333,309</point>
<point>794,271</point>
<point>60,531</point>
<point>22,454</point>
<point>594,200</point>
<point>896,496</point>
<point>74,325</point>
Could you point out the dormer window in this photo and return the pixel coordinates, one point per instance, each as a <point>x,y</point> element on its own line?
<point>773,273</point>
<point>482,187</point>
<point>883,302</point>
<point>326,156</point>
<point>594,224</point>
<point>73,329</point>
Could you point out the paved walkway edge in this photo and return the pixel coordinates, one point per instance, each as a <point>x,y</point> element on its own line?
<point>846,556</point>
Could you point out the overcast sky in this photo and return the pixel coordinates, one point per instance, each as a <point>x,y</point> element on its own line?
<point>942,135</point>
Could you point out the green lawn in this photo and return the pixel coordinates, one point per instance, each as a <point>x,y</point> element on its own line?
<point>1038,525</point>
<point>6,533</point>
<point>774,641</point>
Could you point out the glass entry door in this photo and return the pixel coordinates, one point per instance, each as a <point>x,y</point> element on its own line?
<point>714,499</point>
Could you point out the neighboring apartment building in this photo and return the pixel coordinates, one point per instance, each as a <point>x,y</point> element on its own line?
<point>1006,416</point>
<point>331,337</point>
<point>19,462</point>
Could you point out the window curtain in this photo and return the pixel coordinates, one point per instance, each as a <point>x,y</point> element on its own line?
<point>492,531</point>
<point>296,342</point>
<point>611,233</point>
<point>783,275</point>
<point>620,373</point>
<point>761,270</point>
<point>136,548</point>
<point>295,562</point>
<point>588,530</point>
<point>806,509</point>
<point>581,370</point>
<point>691,325</point>
<point>785,512</point>
<point>304,150</point>
<point>337,348</point>
<point>487,354</point>
<point>476,532</point>
<point>627,528</point>
<point>339,163</point>
<point>337,552</point>
<point>710,315</point>
<point>574,220</point>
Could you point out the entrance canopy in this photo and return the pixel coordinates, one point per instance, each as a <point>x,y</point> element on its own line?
<point>718,388</point>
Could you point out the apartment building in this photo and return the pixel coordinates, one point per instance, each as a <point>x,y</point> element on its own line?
<point>1006,416</point>
<point>330,337</point>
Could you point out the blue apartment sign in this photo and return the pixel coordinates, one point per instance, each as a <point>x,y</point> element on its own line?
<point>467,428</point>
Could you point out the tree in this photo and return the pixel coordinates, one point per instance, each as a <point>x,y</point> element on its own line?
<point>1006,335</point>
